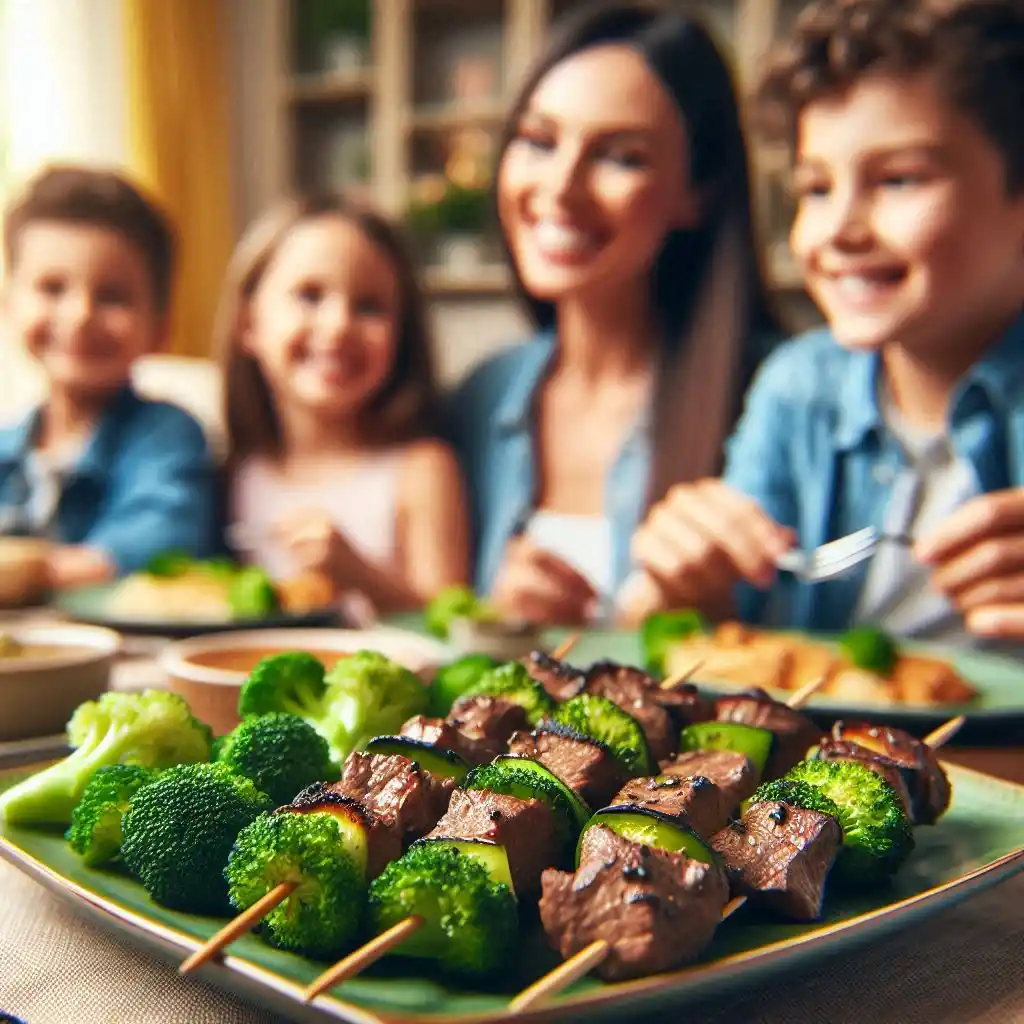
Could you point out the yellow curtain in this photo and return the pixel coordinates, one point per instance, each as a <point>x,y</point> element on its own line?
<point>177,69</point>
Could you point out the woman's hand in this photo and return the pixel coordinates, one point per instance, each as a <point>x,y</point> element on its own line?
<point>317,546</point>
<point>977,555</point>
<point>534,585</point>
<point>699,541</point>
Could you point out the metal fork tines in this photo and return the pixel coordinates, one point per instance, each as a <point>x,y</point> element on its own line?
<point>832,559</point>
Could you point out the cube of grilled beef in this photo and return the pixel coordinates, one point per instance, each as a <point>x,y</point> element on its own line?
<point>435,731</point>
<point>383,838</point>
<point>477,728</point>
<point>638,695</point>
<point>584,765</point>
<point>685,703</point>
<point>525,828</point>
<point>735,776</point>
<point>794,732</point>
<point>780,856</point>
<point>396,788</point>
<point>560,679</point>
<point>923,779</point>
<point>656,909</point>
<point>697,801</point>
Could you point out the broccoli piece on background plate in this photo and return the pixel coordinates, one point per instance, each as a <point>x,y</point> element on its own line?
<point>660,630</point>
<point>512,682</point>
<point>323,915</point>
<point>179,831</point>
<point>281,752</point>
<point>154,729</point>
<point>870,649</point>
<point>455,679</point>
<point>251,594</point>
<point>877,834</point>
<point>471,923</point>
<point>455,603</point>
<point>95,833</point>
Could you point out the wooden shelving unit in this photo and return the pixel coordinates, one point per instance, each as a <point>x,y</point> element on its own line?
<point>387,109</point>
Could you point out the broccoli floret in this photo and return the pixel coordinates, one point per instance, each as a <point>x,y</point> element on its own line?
<point>154,729</point>
<point>169,564</point>
<point>95,833</point>
<point>368,695</point>
<point>179,831</point>
<point>323,915</point>
<point>280,752</point>
<point>455,679</point>
<point>870,649</point>
<point>251,594</point>
<point>877,834</point>
<point>470,921</point>
<point>797,794</point>
<point>292,681</point>
<point>607,723</point>
<point>512,682</point>
<point>455,603</point>
<point>660,630</point>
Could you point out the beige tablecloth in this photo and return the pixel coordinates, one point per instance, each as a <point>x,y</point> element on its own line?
<point>965,966</point>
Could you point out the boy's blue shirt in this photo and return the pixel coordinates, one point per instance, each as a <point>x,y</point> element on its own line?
<point>145,483</point>
<point>813,451</point>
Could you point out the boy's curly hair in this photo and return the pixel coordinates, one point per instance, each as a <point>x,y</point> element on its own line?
<point>974,48</point>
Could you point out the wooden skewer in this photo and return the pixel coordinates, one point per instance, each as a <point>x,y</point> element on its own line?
<point>681,677</point>
<point>237,927</point>
<point>592,956</point>
<point>363,957</point>
<point>808,690</point>
<point>565,647</point>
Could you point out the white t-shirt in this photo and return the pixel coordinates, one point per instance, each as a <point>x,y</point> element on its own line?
<point>581,541</point>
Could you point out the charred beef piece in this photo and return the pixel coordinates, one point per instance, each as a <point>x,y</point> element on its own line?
<point>584,765</point>
<point>638,695</point>
<point>383,839</point>
<point>477,728</point>
<point>735,776</point>
<point>697,801</point>
<point>685,703</point>
<point>656,909</point>
<point>397,789</point>
<point>561,680</point>
<point>923,781</point>
<point>435,731</point>
<point>780,856</point>
<point>526,828</point>
<point>794,732</point>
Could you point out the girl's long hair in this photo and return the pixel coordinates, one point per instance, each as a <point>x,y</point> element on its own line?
<point>707,284</point>
<point>406,406</point>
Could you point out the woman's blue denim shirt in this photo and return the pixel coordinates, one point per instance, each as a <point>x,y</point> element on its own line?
<point>813,451</point>
<point>492,425</point>
<point>146,483</point>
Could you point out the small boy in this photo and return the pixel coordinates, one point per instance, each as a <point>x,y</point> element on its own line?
<point>906,413</point>
<point>112,478</point>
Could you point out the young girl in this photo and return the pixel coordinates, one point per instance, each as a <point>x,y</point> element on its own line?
<point>330,403</point>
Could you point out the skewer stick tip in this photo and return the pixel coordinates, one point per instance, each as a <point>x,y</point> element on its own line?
<point>944,733</point>
<point>808,690</point>
<point>561,977</point>
<point>563,649</point>
<point>360,959</point>
<point>681,677</point>
<point>237,927</point>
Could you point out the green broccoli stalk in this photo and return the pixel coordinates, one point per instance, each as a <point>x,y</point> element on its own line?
<point>454,680</point>
<point>154,729</point>
<point>281,752</point>
<point>95,833</point>
<point>660,630</point>
<point>179,831</point>
<point>455,603</point>
<point>314,852</point>
<point>470,920</point>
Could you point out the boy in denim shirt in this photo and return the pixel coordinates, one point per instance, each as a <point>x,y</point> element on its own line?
<point>112,478</point>
<point>907,412</point>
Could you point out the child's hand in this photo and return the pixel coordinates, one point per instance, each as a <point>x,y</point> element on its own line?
<point>317,546</point>
<point>534,585</point>
<point>978,559</point>
<point>78,566</point>
<point>701,539</point>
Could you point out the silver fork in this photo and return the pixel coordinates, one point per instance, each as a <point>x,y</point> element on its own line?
<point>837,557</point>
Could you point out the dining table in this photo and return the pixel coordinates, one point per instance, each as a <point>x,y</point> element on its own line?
<point>964,965</point>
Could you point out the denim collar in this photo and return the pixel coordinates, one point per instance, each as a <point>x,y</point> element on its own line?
<point>999,374</point>
<point>17,442</point>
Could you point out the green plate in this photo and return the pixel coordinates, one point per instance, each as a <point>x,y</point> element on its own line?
<point>975,845</point>
<point>89,605</point>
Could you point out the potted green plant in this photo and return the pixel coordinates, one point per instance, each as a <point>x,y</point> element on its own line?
<point>334,35</point>
<point>462,216</point>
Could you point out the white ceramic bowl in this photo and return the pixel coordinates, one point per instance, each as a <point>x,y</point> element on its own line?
<point>39,694</point>
<point>211,689</point>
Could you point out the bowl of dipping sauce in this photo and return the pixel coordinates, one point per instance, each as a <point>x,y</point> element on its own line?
<point>24,571</point>
<point>47,671</point>
<point>208,671</point>
<point>501,640</point>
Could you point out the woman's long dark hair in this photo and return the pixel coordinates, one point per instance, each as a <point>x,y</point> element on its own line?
<point>708,288</point>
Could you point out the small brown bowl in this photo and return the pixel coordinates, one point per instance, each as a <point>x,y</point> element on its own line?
<point>24,571</point>
<point>62,666</point>
<point>208,671</point>
<point>503,641</point>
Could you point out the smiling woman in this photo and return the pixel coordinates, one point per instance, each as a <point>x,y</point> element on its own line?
<point>623,197</point>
